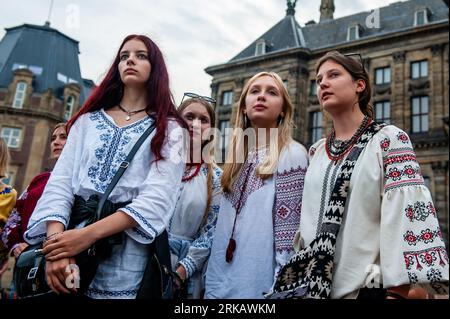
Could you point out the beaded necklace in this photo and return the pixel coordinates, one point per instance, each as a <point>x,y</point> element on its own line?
<point>189,177</point>
<point>336,150</point>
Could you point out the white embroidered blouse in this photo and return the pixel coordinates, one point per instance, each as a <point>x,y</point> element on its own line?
<point>94,150</point>
<point>390,233</point>
<point>265,227</point>
<point>190,239</point>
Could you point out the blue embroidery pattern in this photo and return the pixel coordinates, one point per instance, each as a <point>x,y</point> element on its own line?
<point>48,217</point>
<point>114,148</point>
<point>142,218</point>
<point>107,293</point>
<point>141,233</point>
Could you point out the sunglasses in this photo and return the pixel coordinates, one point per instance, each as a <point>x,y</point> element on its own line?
<point>355,56</point>
<point>201,97</point>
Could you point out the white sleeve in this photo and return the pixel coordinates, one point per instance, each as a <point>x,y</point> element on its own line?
<point>411,249</point>
<point>152,209</point>
<point>57,199</point>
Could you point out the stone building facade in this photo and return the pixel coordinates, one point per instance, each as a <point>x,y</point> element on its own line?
<point>404,46</point>
<point>40,86</point>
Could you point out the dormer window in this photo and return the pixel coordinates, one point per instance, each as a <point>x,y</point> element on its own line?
<point>19,96</point>
<point>353,33</point>
<point>260,47</point>
<point>421,17</point>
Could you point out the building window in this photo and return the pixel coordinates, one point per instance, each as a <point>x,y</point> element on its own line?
<point>313,88</point>
<point>420,17</point>
<point>227,98</point>
<point>224,128</point>
<point>19,97</point>
<point>69,107</point>
<point>315,126</point>
<point>353,33</point>
<point>383,76</point>
<point>12,136</point>
<point>285,83</point>
<point>383,112</point>
<point>419,69</point>
<point>260,47</point>
<point>419,112</point>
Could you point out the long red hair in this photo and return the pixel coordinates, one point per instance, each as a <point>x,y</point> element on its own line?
<point>159,98</point>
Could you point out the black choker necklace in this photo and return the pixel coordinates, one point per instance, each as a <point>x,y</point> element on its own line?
<point>130,113</point>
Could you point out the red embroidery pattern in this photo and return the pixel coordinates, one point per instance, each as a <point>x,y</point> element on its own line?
<point>431,257</point>
<point>288,200</point>
<point>419,211</point>
<point>254,183</point>
<point>401,168</point>
<point>426,236</point>
<point>403,137</point>
<point>385,144</point>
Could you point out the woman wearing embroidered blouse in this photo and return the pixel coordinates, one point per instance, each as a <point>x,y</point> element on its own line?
<point>390,232</point>
<point>7,200</point>
<point>260,209</point>
<point>133,95</point>
<point>192,226</point>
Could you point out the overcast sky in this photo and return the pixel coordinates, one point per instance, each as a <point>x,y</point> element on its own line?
<point>192,34</point>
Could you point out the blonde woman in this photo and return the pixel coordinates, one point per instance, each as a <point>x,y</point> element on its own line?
<point>191,228</point>
<point>7,200</point>
<point>260,209</point>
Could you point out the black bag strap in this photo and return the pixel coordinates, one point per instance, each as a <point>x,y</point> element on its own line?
<point>122,168</point>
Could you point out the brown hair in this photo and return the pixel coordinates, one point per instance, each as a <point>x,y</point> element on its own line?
<point>62,124</point>
<point>355,67</point>
<point>210,163</point>
<point>4,158</point>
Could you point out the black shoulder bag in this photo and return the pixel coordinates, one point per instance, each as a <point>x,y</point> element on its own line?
<point>29,272</point>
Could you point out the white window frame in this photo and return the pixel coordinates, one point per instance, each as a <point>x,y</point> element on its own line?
<point>383,71</point>
<point>19,95</point>
<point>69,106</point>
<point>422,69</point>
<point>380,108</point>
<point>315,126</point>
<point>422,114</point>
<point>227,98</point>
<point>356,28</point>
<point>13,140</point>
<point>425,17</point>
<point>260,48</point>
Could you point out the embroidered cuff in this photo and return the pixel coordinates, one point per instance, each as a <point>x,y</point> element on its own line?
<point>145,232</point>
<point>189,265</point>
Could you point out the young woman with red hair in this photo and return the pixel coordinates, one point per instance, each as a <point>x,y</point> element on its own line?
<point>133,96</point>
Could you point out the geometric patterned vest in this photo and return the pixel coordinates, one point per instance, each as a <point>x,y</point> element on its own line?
<point>309,272</point>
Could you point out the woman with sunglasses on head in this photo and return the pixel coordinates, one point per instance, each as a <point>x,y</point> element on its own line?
<point>262,194</point>
<point>388,232</point>
<point>133,96</point>
<point>191,228</point>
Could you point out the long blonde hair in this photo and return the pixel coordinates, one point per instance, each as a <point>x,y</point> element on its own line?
<point>4,158</point>
<point>209,156</point>
<point>232,168</point>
